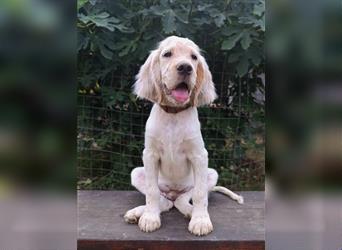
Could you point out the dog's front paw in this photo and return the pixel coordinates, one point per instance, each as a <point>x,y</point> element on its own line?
<point>149,222</point>
<point>200,225</point>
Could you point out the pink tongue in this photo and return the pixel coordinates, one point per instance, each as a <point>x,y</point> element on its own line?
<point>181,95</point>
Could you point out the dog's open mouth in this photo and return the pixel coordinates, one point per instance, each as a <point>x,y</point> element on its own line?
<point>181,92</point>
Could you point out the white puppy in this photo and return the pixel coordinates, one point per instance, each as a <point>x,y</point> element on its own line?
<point>176,78</point>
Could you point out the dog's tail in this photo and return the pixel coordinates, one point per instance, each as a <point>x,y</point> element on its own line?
<point>229,193</point>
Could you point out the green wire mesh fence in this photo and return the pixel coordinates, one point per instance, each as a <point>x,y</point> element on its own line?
<point>111,125</point>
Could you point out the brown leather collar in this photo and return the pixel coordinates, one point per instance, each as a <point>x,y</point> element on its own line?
<point>174,110</point>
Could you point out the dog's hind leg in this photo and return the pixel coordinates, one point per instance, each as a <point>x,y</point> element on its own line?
<point>182,203</point>
<point>138,181</point>
<point>133,215</point>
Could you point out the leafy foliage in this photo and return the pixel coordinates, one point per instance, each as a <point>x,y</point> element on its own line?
<point>115,37</point>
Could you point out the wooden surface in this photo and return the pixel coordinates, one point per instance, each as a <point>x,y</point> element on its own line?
<point>101,224</point>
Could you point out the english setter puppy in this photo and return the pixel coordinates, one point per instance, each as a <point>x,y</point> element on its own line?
<point>176,78</point>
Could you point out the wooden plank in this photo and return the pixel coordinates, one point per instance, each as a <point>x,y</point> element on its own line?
<point>101,224</point>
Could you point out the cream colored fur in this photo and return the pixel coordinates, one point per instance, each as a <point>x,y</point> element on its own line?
<point>175,159</point>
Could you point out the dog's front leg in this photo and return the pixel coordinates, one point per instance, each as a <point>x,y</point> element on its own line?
<point>200,223</point>
<point>150,219</point>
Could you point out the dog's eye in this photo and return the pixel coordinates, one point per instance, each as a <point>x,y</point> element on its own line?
<point>167,54</point>
<point>194,57</point>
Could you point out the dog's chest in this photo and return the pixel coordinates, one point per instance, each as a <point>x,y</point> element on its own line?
<point>173,152</point>
<point>172,144</point>
<point>169,136</point>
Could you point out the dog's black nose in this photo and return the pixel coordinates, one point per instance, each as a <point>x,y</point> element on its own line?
<point>184,69</point>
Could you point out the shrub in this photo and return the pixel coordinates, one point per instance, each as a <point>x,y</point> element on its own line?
<point>114,39</point>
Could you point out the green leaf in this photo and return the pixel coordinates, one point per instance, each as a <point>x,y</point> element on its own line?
<point>234,57</point>
<point>228,30</point>
<point>242,67</point>
<point>81,3</point>
<point>125,51</point>
<point>204,7</point>
<point>200,21</point>
<point>82,18</point>
<point>246,40</point>
<point>93,47</point>
<point>255,55</point>
<point>219,20</point>
<point>106,53</point>
<point>82,41</point>
<point>261,23</point>
<point>230,43</point>
<point>214,12</point>
<point>256,60</point>
<point>164,3</point>
<point>123,28</point>
<point>247,20</point>
<point>119,45</point>
<point>100,20</point>
<point>111,103</point>
<point>101,15</point>
<point>259,9</point>
<point>182,16</point>
<point>168,21</point>
<point>132,98</point>
<point>157,10</point>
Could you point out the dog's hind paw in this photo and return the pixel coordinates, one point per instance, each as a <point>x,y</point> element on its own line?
<point>132,216</point>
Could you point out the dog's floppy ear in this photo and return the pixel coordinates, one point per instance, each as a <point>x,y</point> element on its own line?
<point>204,89</point>
<point>147,85</point>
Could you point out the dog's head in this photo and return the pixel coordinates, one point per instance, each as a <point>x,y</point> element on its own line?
<point>175,74</point>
